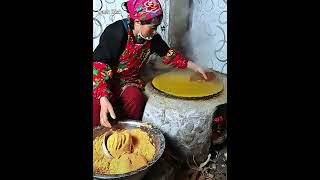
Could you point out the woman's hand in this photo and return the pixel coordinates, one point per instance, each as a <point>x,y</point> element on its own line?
<point>106,107</point>
<point>197,68</point>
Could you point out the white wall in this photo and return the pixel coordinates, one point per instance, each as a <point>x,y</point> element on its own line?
<point>207,38</point>
<point>112,11</point>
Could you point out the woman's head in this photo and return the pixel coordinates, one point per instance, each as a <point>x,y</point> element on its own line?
<point>145,15</point>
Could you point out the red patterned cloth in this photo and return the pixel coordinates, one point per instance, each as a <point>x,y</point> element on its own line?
<point>175,58</point>
<point>102,73</point>
<point>144,9</point>
<point>127,70</point>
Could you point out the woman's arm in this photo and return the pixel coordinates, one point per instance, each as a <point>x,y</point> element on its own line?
<point>105,56</point>
<point>172,56</point>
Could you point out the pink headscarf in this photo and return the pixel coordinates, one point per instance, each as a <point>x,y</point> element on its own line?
<point>144,9</point>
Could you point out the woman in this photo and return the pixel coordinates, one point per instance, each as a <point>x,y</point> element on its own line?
<point>123,50</point>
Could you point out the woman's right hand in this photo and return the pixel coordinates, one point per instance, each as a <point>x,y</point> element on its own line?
<point>106,107</point>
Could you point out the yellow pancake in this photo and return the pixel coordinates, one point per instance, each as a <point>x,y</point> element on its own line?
<point>179,84</point>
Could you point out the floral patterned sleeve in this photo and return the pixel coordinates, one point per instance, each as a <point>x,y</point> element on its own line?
<point>169,55</point>
<point>175,58</point>
<point>102,74</point>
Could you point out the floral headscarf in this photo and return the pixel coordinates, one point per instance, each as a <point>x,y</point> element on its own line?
<point>144,9</point>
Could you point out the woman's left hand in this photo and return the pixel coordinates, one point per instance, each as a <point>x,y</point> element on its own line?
<point>197,68</point>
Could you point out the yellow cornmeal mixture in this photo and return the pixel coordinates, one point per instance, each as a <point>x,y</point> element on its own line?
<point>131,149</point>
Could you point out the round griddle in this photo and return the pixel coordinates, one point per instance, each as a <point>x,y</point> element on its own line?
<point>177,84</point>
